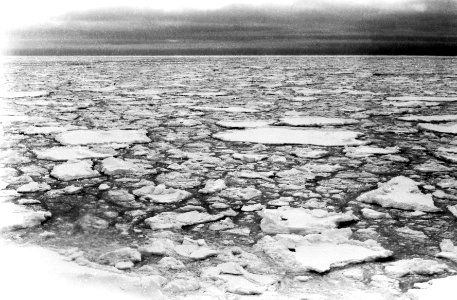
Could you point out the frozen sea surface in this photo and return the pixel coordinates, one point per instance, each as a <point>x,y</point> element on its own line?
<point>205,134</point>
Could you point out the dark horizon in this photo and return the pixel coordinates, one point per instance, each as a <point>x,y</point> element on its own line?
<point>244,31</point>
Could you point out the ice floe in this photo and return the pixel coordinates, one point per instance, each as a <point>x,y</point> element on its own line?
<point>429,119</point>
<point>244,123</point>
<point>70,153</point>
<point>314,121</point>
<point>319,252</point>
<point>74,170</point>
<point>281,136</point>
<point>87,137</point>
<point>301,221</point>
<point>423,98</point>
<point>402,193</point>
<point>170,220</point>
<point>450,128</point>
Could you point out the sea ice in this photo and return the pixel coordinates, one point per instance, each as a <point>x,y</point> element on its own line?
<point>402,193</point>
<point>86,137</point>
<point>301,221</point>
<point>244,124</point>
<point>429,119</point>
<point>423,98</point>
<point>69,153</point>
<point>319,252</point>
<point>74,170</point>
<point>450,128</point>
<point>272,135</point>
<point>312,121</point>
<point>170,220</point>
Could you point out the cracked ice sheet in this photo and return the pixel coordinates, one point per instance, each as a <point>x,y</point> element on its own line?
<point>284,136</point>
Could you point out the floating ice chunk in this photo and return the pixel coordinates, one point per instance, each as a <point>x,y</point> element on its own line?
<point>416,266</point>
<point>443,128</point>
<point>13,216</point>
<point>244,124</point>
<point>30,94</point>
<point>69,153</point>
<point>170,220</point>
<point>164,196</point>
<point>429,119</point>
<point>301,221</point>
<point>423,98</point>
<point>311,121</point>
<point>282,136</point>
<point>117,166</point>
<point>319,252</point>
<point>365,151</point>
<point>213,186</point>
<point>440,288</point>
<point>411,104</point>
<point>33,187</point>
<point>402,193</point>
<point>74,170</point>
<point>232,109</point>
<point>48,129</point>
<point>86,137</point>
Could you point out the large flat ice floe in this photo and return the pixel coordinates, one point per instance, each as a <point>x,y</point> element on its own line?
<point>170,220</point>
<point>282,136</point>
<point>444,128</point>
<point>232,109</point>
<point>423,98</point>
<point>301,221</point>
<point>244,123</point>
<point>402,193</point>
<point>30,94</point>
<point>319,252</point>
<point>69,153</point>
<point>13,216</point>
<point>440,288</point>
<point>429,119</point>
<point>74,170</point>
<point>87,137</point>
<point>310,121</point>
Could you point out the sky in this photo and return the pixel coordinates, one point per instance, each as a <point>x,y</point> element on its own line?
<point>142,27</point>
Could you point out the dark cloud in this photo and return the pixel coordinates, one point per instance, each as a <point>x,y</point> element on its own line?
<point>418,27</point>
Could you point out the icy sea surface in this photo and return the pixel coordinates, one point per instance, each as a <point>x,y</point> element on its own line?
<point>274,177</point>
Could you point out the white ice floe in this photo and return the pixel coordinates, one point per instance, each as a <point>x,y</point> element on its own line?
<point>48,129</point>
<point>74,170</point>
<point>33,187</point>
<point>448,250</point>
<point>213,186</point>
<point>440,288</point>
<point>415,266</point>
<point>312,121</point>
<point>232,109</point>
<point>301,221</point>
<point>402,193</point>
<point>170,220</point>
<point>13,216</point>
<point>278,136</point>
<point>29,94</point>
<point>429,119</point>
<point>69,153</point>
<point>365,151</point>
<point>117,166</point>
<point>244,123</point>
<point>423,98</point>
<point>401,104</point>
<point>163,195</point>
<point>450,128</point>
<point>49,274</point>
<point>86,137</point>
<point>319,252</point>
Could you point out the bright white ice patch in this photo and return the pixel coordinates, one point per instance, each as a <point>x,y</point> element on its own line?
<point>23,94</point>
<point>316,121</point>
<point>86,137</point>
<point>426,119</point>
<point>445,128</point>
<point>233,109</point>
<point>244,124</point>
<point>272,135</point>
<point>423,98</point>
<point>69,153</point>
